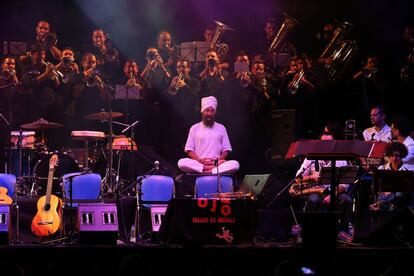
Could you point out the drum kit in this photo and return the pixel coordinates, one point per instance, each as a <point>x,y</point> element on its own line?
<point>30,160</point>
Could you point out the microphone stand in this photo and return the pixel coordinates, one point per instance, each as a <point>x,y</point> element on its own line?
<point>218,177</point>
<point>137,222</point>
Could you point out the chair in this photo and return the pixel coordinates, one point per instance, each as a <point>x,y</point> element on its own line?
<point>206,185</point>
<point>84,186</point>
<point>157,191</point>
<point>8,181</point>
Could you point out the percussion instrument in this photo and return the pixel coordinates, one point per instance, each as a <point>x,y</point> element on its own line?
<point>103,115</point>
<point>28,139</point>
<point>124,143</point>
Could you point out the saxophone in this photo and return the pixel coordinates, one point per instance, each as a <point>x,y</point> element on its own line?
<point>304,189</point>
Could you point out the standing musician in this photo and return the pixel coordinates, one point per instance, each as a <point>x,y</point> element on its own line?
<point>10,104</point>
<point>166,49</point>
<point>41,79</point>
<point>93,96</point>
<point>307,179</point>
<point>46,40</point>
<point>107,56</point>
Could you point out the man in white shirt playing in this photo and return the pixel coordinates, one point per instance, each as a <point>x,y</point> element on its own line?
<point>380,131</point>
<point>208,144</point>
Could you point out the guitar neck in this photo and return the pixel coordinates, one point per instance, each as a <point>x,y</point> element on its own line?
<point>49,185</point>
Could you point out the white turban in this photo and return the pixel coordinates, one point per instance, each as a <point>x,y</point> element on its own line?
<point>208,102</point>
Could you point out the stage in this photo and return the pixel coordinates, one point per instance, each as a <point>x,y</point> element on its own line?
<point>262,244</point>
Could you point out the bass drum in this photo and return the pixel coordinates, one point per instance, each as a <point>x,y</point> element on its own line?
<point>66,164</point>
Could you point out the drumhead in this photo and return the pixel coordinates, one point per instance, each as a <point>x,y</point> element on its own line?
<point>66,164</point>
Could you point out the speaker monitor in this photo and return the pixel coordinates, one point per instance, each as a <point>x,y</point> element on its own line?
<point>283,131</point>
<point>4,224</point>
<point>265,188</point>
<point>98,223</point>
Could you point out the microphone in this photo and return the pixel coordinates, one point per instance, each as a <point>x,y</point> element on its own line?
<point>157,165</point>
<point>216,162</point>
<point>372,137</point>
<point>317,165</point>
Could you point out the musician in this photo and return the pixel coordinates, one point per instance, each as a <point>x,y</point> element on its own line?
<point>156,75</point>
<point>208,144</point>
<point>400,129</point>
<point>323,41</point>
<point>209,33</point>
<point>306,184</point>
<point>94,93</point>
<point>41,81</point>
<point>369,83</point>
<point>395,152</point>
<point>166,49</point>
<point>380,131</point>
<point>181,99</point>
<point>299,95</point>
<point>131,72</point>
<point>10,103</point>
<point>107,56</point>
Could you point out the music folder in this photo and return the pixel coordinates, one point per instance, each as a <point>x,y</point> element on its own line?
<point>344,174</point>
<point>125,92</point>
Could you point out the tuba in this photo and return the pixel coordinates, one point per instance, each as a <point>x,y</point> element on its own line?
<point>221,49</point>
<point>287,25</point>
<point>340,50</point>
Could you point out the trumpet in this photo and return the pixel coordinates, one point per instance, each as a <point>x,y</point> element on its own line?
<point>175,85</point>
<point>295,83</point>
<point>48,40</point>
<point>91,80</point>
<point>56,73</point>
<point>8,74</point>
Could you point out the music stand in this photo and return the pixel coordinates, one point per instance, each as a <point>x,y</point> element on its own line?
<point>126,92</point>
<point>344,174</point>
<point>393,181</point>
<point>14,48</point>
<point>194,51</point>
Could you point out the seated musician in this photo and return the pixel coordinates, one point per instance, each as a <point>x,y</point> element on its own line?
<point>208,144</point>
<point>307,184</point>
<point>396,152</point>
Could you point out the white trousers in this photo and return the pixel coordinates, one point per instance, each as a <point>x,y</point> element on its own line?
<point>189,165</point>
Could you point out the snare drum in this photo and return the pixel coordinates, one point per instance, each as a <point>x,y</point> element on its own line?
<point>28,139</point>
<point>123,143</point>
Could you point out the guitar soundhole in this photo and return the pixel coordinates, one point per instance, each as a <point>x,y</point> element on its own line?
<point>47,207</point>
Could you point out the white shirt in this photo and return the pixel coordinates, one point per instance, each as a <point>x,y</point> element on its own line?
<point>387,167</point>
<point>384,135</point>
<point>208,142</point>
<point>308,166</point>
<point>409,159</point>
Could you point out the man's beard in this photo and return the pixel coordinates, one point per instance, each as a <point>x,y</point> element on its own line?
<point>208,120</point>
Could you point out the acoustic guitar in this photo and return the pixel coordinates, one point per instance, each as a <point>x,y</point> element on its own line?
<point>49,207</point>
<point>4,198</point>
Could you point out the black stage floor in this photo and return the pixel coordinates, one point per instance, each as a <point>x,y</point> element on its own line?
<point>252,259</point>
<point>260,248</point>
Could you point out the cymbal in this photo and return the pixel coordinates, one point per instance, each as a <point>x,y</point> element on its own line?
<point>41,124</point>
<point>103,115</point>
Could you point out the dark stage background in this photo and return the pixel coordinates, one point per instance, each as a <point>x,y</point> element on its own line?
<point>134,25</point>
